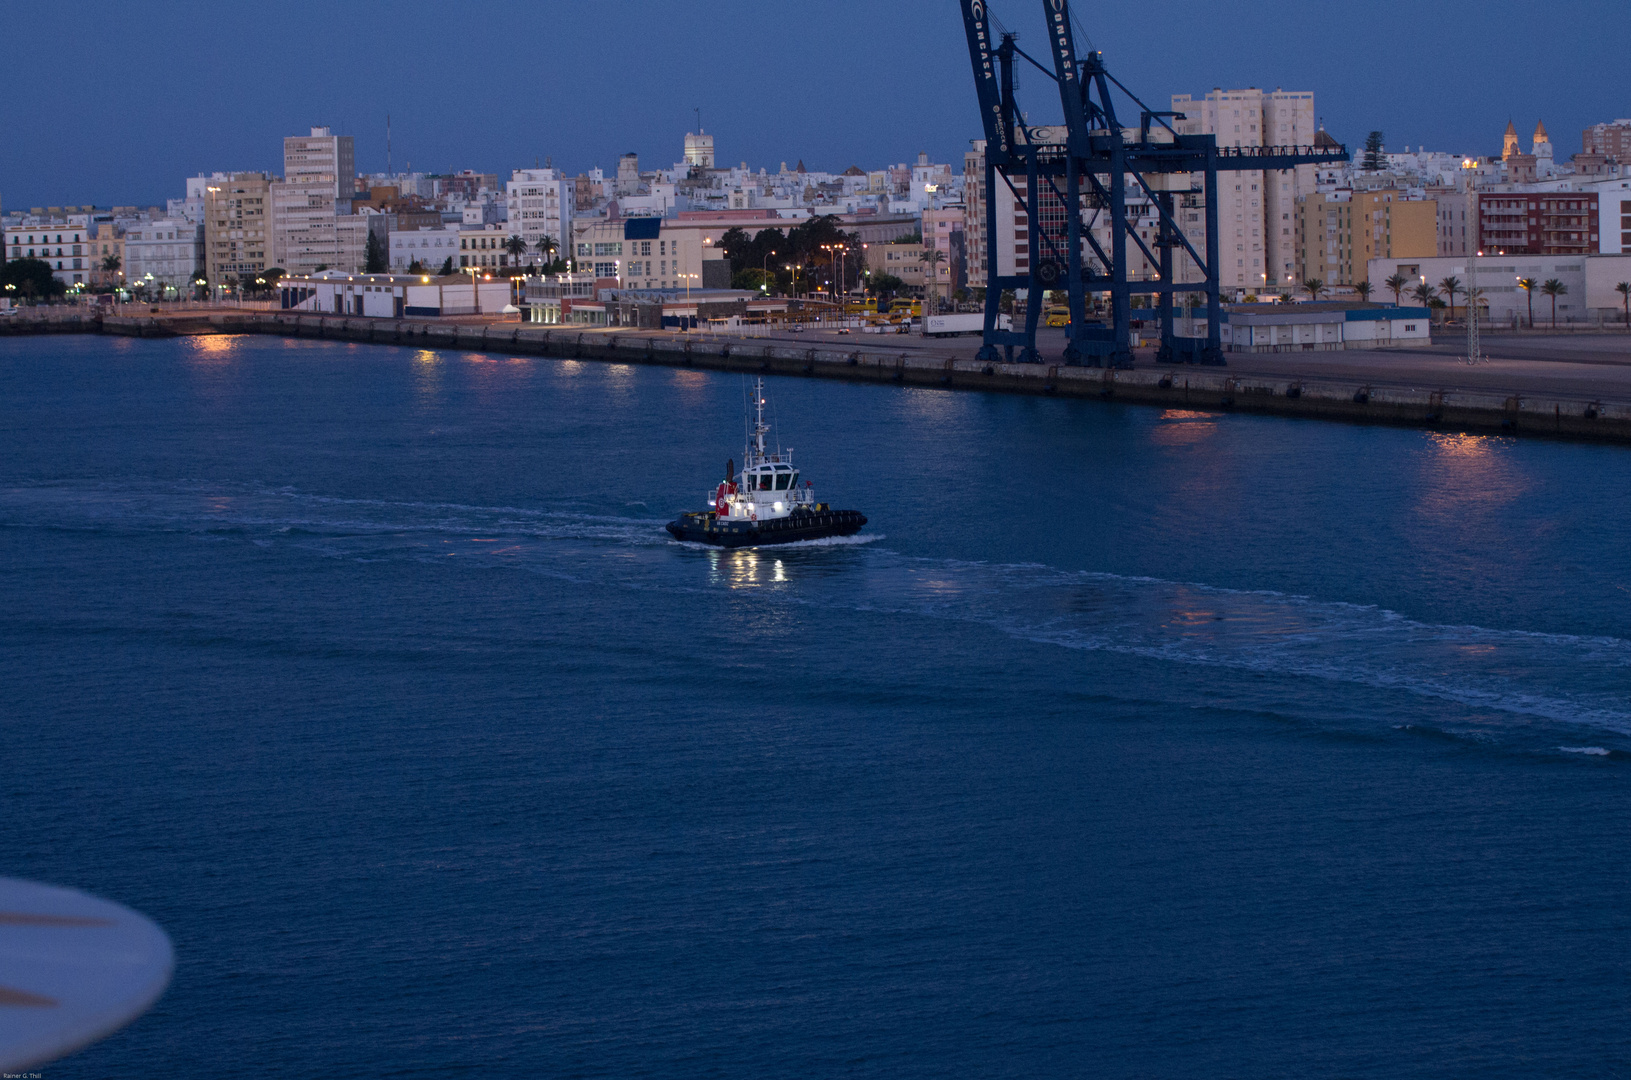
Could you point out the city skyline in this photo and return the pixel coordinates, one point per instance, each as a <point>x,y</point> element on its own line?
<point>880,100</point>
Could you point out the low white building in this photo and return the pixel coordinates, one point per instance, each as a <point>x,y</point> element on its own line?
<point>62,244</point>
<point>1504,301</point>
<point>387,296</point>
<point>1604,273</point>
<point>430,248</point>
<point>167,252</point>
<point>1323,327</point>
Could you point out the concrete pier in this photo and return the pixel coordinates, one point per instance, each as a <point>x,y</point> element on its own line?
<point>1574,388</point>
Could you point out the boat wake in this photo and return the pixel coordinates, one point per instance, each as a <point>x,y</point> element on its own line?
<point>1491,680</point>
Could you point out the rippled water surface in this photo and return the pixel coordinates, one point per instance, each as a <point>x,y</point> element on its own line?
<point>1122,742</point>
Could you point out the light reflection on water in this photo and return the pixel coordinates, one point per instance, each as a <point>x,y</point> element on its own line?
<point>744,568</point>
<point>1183,427</point>
<point>427,378</point>
<point>1467,477</point>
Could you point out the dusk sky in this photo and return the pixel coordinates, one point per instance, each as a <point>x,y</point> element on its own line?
<point>161,91</point>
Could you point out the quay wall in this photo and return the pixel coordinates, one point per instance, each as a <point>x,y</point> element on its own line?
<point>1173,386</point>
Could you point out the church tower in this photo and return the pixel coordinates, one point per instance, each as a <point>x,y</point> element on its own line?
<point>1542,145</point>
<point>1509,144</point>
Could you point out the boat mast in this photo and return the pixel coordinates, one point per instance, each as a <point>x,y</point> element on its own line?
<point>759,428</point>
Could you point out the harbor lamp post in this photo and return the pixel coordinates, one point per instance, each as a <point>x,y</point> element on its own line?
<point>688,279</point>
<point>475,289</point>
<point>764,271</point>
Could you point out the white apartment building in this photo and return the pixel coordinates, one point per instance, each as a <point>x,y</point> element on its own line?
<point>430,248</point>
<point>1613,216</point>
<point>542,202</point>
<point>1256,210</point>
<point>318,175</point>
<point>166,252</point>
<point>62,244</point>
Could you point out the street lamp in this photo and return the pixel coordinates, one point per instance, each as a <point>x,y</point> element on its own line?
<point>764,271</point>
<point>688,279</point>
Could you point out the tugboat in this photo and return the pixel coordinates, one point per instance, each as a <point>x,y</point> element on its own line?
<point>763,504</point>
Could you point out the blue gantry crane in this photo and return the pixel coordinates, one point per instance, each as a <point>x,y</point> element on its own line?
<point>1096,161</point>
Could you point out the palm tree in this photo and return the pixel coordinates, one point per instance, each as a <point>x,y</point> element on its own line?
<point>112,263</point>
<point>1424,294</point>
<point>1397,283</point>
<point>546,246</point>
<point>1527,284</point>
<point>517,247</point>
<point>932,258</point>
<point>1314,286</point>
<point>1554,288</point>
<point>1451,285</point>
<point>1363,288</point>
<point>1624,289</point>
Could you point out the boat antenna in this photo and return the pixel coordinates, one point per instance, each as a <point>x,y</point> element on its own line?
<point>759,428</point>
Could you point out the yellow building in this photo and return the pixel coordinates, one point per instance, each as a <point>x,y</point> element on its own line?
<point>106,243</point>
<point>1339,233</point>
<point>236,227</point>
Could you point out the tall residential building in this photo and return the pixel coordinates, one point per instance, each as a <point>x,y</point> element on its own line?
<point>1012,240</point>
<point>1339,233</point>
<point>318,177</point>
<point>1610,140</point>
<point>542,203</point>
<point>237,221</point>
<point>1457,217</point>
<point>1257,233</point>
<point>1614,215</point>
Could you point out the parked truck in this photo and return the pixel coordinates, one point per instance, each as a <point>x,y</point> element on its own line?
<point>949,325</point>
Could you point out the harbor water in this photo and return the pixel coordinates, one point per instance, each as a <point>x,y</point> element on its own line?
<point>1121,743</point>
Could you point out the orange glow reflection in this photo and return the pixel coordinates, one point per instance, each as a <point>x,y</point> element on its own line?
<point>1184,427</point>
<point>1465,476</point>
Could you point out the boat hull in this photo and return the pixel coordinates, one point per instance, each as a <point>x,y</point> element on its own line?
<point>708,528</point>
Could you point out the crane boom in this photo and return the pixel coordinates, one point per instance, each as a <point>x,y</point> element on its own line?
<point>998,128</point>
<point>1072,94</point>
